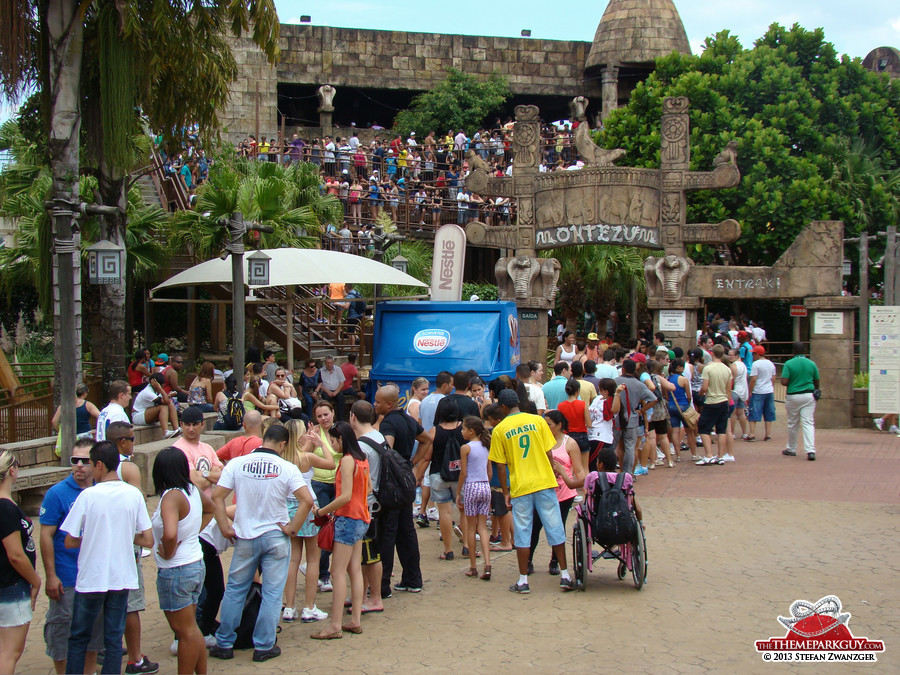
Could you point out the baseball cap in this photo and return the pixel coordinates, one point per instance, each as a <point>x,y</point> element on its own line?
<point>192,415</point>
<point>161,359</point>
<point>743,334</point>
<point>662,348</point>
<point>412,133</point>
<point>593,336</point>
<point>759,349</point>
<point>638,358</point>
<point>508,398</point>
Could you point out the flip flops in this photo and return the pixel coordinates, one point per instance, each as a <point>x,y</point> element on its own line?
<point>336,635</point>
<point>446,556</point>
<point>356,630</point>
<point>472,572</point>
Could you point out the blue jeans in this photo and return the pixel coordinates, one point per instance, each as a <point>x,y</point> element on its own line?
<point>86,608</point>
<point>271,552</point>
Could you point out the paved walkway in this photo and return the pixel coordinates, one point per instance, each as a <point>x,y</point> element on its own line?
<point>730,548</point>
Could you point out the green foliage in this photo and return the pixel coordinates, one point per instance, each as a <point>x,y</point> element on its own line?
<point>419,255</point>
<point>483,291</point>
<point>861,380</point>
<point>796,110</point>
<point>286,198</point>
<point>459,101</point>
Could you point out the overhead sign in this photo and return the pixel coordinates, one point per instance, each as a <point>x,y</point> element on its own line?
<point>799,310</point>
<point>449,261</point>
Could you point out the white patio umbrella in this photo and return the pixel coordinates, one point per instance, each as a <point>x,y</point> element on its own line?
<point>298,267</point>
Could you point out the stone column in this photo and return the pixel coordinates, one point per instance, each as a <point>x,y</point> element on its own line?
<point>832,352</point>
<point>609,81</point>
<point>672,310</point>
<point>532,333</point>
<point>530,283</point>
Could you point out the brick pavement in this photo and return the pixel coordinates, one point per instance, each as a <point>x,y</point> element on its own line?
<point>730,547</point>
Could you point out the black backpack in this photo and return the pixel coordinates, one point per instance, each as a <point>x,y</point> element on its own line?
<point>244,632</point>
<point>234,413</point>
<point>612,522</point>
<point>451,466</point>
<point>396,483</point>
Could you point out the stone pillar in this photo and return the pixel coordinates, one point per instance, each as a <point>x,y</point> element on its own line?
<point>831,332</point>
<point>609,79</point>
<point>326,110</point>
<point>667,312</point>
<point>531,283</point>
<point>532,332</point>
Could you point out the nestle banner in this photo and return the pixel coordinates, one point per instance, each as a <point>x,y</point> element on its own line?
<point>449,260</point>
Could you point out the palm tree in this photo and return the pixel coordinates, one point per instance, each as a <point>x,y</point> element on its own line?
<point>285,198</point>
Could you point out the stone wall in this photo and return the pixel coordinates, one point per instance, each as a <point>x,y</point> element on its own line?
<point>393,60</point>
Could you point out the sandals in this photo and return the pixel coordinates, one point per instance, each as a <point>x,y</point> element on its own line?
<point>497,549</point>
<point>486,576</point>
<point>446,556</point>
<point>356,630</point>
<point>336,635</point>
<point>472,572</point>
<point>749,439</point>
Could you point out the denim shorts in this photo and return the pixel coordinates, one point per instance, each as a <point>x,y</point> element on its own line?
<point>348,531</point>
<point>179,587</point>
<point>762,406</point>
<point>547,506</point>
<point>15,604</point>
<point>443,492</point>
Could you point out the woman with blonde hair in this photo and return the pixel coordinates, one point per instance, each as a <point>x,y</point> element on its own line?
<point>307,462</point>
<point>19,582</point>
<point>253,400</point>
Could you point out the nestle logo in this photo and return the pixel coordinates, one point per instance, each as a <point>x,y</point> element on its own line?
<point>431,341</point>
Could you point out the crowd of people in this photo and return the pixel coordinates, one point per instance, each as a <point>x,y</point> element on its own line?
<point>511,455</point>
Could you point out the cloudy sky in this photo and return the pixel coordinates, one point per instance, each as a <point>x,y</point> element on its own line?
<point>853,31</point>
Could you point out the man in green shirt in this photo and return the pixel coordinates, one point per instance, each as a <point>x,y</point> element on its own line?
<point>801,377</point>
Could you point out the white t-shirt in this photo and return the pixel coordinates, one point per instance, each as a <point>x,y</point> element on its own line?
<point>106,517</point>
<point>601,430</point>
<point>111,413</point>
<point>759,333</point>
<point>144,400</point>
<point>740,381</point>
<point>262,482</point>
<point>606,370</point>
<point>536,395</point>
<point>764,371</point>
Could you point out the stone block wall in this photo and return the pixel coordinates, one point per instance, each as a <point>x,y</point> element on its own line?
<point>394,60</point>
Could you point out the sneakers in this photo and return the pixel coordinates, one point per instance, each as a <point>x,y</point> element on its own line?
<point>709,461</point>
<point>290,614</point>
<point>554,568</point>
<point>811,456</point>
<point>172,433</point>
<point>259,655</point>
<point>173,648</point>
<point>303,569</point>
<point>879,423</point>
<point>210,641</point>
<point>408,589</point>
<point>519,588</point>
<point>145,665</point>
<point>422,520</point>
<point>308,615</point>
<point>641,470</point>
<point>495,540</point>
<point>727,457</point>
<point>788,453</point>
<point>530,569</point>
<point>325,585</point>
<point>432,514</point>
<point>567,584</point>
<point>223,653</point>
<point>894,429</point>
<point>458,533</point>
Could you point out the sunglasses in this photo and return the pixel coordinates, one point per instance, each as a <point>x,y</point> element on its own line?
<point>79,461</point>
<point>127,438</point>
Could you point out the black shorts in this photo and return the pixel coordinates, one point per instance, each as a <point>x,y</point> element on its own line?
<point>661,427</point>
<point>371,545</point>
<point>498,503</point>
<point>714,416</point>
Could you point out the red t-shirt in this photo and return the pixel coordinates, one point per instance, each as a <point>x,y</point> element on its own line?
<point>350,373</point>
<point>238,447</point>
<point>573,411</point>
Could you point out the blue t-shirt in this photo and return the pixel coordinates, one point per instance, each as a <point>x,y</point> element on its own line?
<point>746,354</point>
<point>56,506</point>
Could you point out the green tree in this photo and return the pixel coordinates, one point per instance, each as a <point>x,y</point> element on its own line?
<point>459,101</point>
<point>794,106</point>
<point>285,198</point>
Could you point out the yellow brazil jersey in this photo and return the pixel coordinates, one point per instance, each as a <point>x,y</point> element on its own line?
<point>521,441</point>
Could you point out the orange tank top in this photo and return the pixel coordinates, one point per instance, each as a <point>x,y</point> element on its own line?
<point>358,506</point>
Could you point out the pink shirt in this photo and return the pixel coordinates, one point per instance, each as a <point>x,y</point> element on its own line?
<point>563,491</point>
<point>200,456</point>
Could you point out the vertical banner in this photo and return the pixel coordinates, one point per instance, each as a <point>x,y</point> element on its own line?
<point>884,360</point>
<point>448,264</point>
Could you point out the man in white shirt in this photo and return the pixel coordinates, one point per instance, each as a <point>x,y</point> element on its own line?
<point>762,392</point>
<point>153,404</point>
<point>459,142</point>
<point>262,482</point>
<point>119,397</point>
<point>362,417</point>
<point>105,523</point>
<point>333,386</point>
<point>607,367</point>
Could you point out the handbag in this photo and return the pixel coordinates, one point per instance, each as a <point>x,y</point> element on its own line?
<point>325,537</point>
<point>689,415</point>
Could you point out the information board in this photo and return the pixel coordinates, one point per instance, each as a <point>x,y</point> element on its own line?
<point>884,360</point>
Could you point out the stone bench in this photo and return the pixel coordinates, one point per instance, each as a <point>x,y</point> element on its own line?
<point>33,483</point>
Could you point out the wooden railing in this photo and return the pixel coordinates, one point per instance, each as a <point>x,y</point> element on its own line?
<point>26,411</point>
